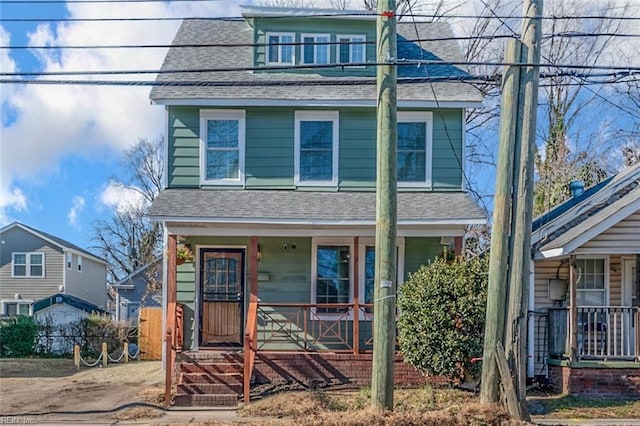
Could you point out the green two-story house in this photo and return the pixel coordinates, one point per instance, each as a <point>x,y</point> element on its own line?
<point>271,173</point>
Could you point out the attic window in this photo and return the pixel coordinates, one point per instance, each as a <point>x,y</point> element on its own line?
<point>279,49</point>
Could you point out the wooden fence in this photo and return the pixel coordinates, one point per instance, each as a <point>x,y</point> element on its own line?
<point>150,334</point>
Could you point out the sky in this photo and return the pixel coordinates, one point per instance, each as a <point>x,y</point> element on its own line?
<point>61,145</point>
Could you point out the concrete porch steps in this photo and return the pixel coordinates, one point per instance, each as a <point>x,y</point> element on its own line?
<point>209,379</point>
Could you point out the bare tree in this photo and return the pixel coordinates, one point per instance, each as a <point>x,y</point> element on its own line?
<point>129,239</point>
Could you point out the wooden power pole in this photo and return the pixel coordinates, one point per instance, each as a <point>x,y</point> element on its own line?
<point>384,308</point>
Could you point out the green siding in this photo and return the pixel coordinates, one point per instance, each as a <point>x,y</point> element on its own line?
<point>418,251</point>
<point>289,270</point>
<point>269,148</point>
<point>330,26</point>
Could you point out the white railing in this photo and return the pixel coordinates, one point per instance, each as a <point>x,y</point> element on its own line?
<point>609,332</point>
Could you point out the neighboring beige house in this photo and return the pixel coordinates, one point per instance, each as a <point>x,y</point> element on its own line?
<point>584,333</point>
<point>35,265</point>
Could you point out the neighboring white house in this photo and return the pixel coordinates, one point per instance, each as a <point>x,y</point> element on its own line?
<point>35,265</point>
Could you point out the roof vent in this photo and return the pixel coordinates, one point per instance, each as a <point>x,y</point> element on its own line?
<point>576,187</point>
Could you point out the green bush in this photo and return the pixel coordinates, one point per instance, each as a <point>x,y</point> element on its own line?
<point>18,337</point>
<point>442,316</point>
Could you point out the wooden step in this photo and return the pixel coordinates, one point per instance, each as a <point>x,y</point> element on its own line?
<point>206,400</point>
<point>209,388</point>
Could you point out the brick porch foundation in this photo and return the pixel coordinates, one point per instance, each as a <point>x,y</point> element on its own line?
<point>314,369</point>
<point>590,379</point>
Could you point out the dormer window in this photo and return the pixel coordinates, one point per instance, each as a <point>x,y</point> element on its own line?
<point>280,48</point>
<point>351,49</point>
<point>315,48</point>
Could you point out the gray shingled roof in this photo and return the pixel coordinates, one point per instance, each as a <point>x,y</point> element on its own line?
<point>248,206</point>
<point>266,85</point>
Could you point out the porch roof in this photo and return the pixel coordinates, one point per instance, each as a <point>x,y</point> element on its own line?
<point>310,208</point>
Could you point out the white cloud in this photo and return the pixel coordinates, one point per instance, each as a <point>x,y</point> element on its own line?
<point>48,123</point>
<point>77,205</point>
<point>121,198</point>
<point>11,199</point>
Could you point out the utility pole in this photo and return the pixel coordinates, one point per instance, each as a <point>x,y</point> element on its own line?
<point>518,308</point>
<point>499,256</point>
<point>384,308</point>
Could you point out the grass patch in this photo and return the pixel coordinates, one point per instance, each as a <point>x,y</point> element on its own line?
<point>422,406</point>
<point>565,406</point>
<point>137,413</point>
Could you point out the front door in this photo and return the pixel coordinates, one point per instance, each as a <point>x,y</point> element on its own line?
<point>630,295</point>
<point>222,298</point>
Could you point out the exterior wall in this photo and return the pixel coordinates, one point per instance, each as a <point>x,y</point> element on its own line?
<point>269,148</point>
<point>90,284</point>
<point>330,26</point>
<point>57,315</point>
<point>620,238</point>
<point>18,240</point>
<point>604,381</point>
<point>330,369</point>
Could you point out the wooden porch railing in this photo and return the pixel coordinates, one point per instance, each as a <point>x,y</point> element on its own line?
<point>603,332</point>
<point>173,343</point>
<point>250,348</point>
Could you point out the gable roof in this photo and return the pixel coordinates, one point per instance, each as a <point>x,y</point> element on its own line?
<point>59,242</point>
<point>281,207</point>
<point>580,219</point>
<point>238,87</point>
<point>67,299</point>
<point>133,287</point>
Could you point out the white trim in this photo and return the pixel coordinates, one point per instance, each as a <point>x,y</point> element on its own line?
<point>27,265</point>
<point>329,116</point>
<point>331,103</point>
<point>315,45</point>
<point>197,300</point>
<point>365,242</point>
<point>463,185</point>
<point>165,150</point>
<point>223,230</point>
<point>531,326</point>
<point>68,259</point>
<point>427,118</point>
<point>607,277</point>
<point>628,281</point>
<point>267,59</point>
<point>351,38</point>
<point>266,11</point>
<point>226,114</point>
<point>79,263</point>
<point>313,223</point>
<point>4,302</point>
<point>330,241</point>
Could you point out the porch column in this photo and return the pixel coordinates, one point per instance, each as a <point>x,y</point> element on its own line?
<point>457,246</point>
<point>356,295</point>
<point>171,316</point>
<point>253,269</point>
<point>573,311</point>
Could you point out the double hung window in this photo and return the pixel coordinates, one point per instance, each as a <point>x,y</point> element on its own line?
<point>333,276</point>
<point>316,147</point>
<point>315,48</point>
<point>351,49</point>
<point>222,134</point>
<point>414,148</point>
<point>28,265</point>
<point>591,287</point>
<point>280,48</point>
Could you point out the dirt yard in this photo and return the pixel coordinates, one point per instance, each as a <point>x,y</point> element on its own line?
<point>45,386</point>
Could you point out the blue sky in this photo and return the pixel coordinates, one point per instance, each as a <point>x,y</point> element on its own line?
<point>59,146</point>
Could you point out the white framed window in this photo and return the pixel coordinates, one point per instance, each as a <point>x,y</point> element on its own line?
<point>279,48</point>
<point>79,263</point>
<point>366,266</point>
<point>12,308</point>
<point>222,142</point>
<point>316,148</point>
<point>351,48</point>
<point>592,281</point>
<point>27,265</point>
<point>332,274</point>
<point>415,133</point>
<point>69,258</point>
<point>315,48</point>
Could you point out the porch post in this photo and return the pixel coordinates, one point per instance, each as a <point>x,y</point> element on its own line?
<point>573,311</point>
<point>457,246</point>
<point>171,316</point>
<point>356,296</point>
<point>253,269</point>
